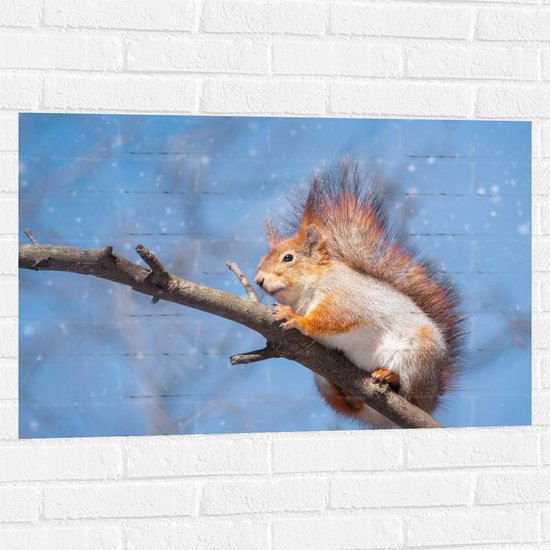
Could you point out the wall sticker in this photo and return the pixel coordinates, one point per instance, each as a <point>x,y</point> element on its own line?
<point>379,274</point>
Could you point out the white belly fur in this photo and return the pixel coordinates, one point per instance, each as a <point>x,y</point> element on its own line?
<point>371,348</point>
<point>359,346</point>
<point>392,339</point>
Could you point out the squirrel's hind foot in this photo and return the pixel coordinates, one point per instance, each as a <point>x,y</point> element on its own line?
<point>384,376</point>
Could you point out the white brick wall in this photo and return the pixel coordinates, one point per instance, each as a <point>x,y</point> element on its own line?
<point>469,488</point>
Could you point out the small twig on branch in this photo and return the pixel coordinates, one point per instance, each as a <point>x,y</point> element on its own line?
<point>244,281</point>
<point>159,275</point>
<point>151,260</point>
<point>253,356</point>
<point>106,264</point>
<point>30,236</point>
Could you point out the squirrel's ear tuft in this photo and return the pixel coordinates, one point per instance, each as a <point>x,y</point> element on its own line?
<point>313,240</point>
<point>273,234</point>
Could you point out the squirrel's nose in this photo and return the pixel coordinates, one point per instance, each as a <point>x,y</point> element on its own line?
<point>260,281</point>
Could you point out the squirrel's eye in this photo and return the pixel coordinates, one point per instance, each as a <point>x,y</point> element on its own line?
<point>288,258</point>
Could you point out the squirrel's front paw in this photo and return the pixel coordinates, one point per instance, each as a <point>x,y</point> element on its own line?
<point>282,312</point>
<point>285,313</point>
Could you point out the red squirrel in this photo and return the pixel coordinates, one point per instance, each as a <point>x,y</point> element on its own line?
<point>347,281</point>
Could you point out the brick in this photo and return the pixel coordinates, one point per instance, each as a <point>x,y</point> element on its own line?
<point>8,338</point>
<point>8,136</point>
<point>143,93</point>
<point>541,408</point>
<point>185,456</point>
<point>344,58</point>
<point>20,13</point>
<point>488,254</point>
<point>545,435</point>
<point>317,453</point>
<point>541,177</point>
<point>545,138</point>
<point>456,448</point>
<point>51,51</point>
<point>545,371</point>
<point>545,291</point>
<point>123,499</point>
<point>459,250</point>
<point>405,490</point>
<point>538,135</point>
<point>484,342</point>
<point>536,376</point>
<point>19,503</point>
<point>292,97</point>
<point>61,538</point>
<point>400,98</point>
<point>438,528</point>
<point>247,497</point>
<point>512,546</point>
<point>8,215</point>
<point>546,524</point>
<point>503,101</point>
<point>229,535</point>
<point>9,304</point>
<point>545,215</point>
<point>475,210</point>
<point>259,17</point>
<point>410,21</point>
<point>513,487</point>
<point>8,256</point>
<point>8,379</point>
<point>473,62</point>
<point>34,460</point>
<point>9,416</point>
<point>537,292</point>
<point>540,326</point>
<point>539,186</point>
<point>358,531</point>
<point>513,24</point>
<point>177,54</point>
<point>516,251</point>
<point>545,72</point>
<point>541,254</point>
<point>173,15</point>
<point>537,219</point>
<point>540,329</point>
<point>8,172</point>
<point>19,91</point>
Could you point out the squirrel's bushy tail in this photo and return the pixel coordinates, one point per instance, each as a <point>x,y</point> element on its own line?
<point>348,405</point>
<point>348,209</point>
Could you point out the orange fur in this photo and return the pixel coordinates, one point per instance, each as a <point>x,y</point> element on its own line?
<point>341,401</point>
<point>387,377</point>
<point>425,342</point>
<point>322,320</point>
<point>354,219</point>
<point>354,229</point>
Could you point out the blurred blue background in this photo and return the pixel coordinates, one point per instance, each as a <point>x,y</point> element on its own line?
<point>97,358</point>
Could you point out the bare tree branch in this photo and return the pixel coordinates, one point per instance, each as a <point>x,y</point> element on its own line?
<point>244,281</point>
<point>151,260</point>
<point>30,236</point>
<point>106,264</point>
<point>253,356</point>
